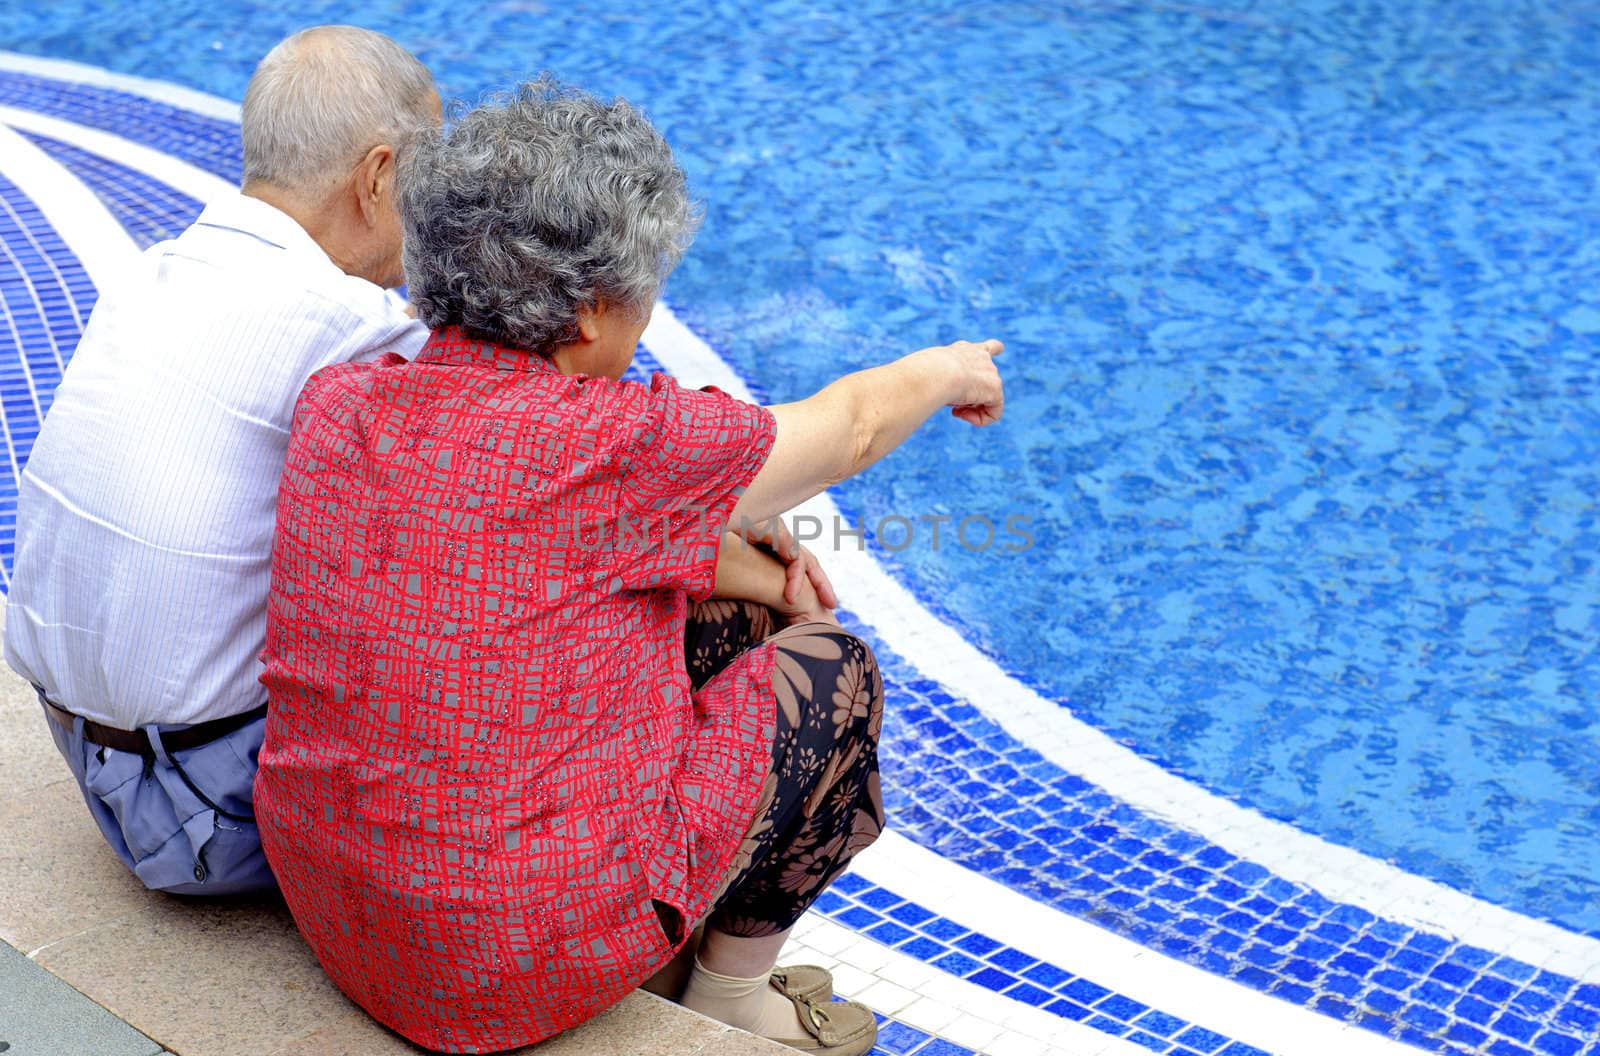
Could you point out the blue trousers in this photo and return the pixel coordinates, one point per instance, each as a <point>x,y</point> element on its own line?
<point>160,824</point>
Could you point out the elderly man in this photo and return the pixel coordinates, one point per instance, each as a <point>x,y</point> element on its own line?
<point>146,512</point>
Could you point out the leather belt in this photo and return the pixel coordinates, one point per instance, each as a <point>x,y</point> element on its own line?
<point>178,740</point>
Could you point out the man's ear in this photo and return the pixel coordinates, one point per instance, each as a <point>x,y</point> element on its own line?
<point>374,182</point>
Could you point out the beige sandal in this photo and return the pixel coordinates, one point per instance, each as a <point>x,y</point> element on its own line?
<point>806,981</point>
<point>834,1028</point>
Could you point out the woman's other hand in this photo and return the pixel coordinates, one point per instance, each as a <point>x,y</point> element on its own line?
<point>806,606</point>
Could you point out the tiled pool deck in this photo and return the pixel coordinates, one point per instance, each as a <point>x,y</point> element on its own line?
<point>1025,904</point>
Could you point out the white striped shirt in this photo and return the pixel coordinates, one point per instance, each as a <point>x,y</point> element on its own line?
<point>145,514</point>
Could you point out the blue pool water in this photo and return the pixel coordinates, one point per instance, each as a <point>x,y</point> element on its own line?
<point>1302,303</point>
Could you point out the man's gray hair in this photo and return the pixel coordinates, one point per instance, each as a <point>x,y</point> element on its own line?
<point>537,202</point>
<point>324,97</point>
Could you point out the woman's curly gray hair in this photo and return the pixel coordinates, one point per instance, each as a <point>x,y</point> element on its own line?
<point>535,203</point>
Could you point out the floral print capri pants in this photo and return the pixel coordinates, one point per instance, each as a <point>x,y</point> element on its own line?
<point>821,801</point>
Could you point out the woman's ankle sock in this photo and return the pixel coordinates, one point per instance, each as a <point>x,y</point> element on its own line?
<point>749,1004</point>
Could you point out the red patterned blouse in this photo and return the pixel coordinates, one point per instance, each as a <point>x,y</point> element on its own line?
<point>483,760</point>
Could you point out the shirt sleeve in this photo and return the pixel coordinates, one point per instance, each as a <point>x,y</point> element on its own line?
<point>385,325</point>
<point>689,456</point>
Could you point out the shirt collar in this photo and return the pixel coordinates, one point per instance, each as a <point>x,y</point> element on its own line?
<point>453,346</point>
<point>263,222</point>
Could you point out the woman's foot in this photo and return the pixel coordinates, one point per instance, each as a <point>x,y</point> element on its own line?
<point>763,1005</point>
<point>804,980</point>
<point>831,1028</point>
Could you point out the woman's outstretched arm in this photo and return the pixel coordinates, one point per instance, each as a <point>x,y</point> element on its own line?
<point>863,416</point>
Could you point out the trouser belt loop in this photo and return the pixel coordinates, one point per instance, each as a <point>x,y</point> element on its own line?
<point>152,733</point>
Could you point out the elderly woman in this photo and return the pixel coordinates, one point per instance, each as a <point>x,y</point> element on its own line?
<point>516,749</point>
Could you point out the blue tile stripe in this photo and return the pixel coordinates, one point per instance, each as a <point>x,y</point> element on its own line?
<point>211,143</point>
<point>958,784</point>
<point>44,297</point>
<point>917,931</point>
<point>147,209</point>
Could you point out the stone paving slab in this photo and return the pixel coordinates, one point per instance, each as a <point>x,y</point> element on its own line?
<point>92,964</point>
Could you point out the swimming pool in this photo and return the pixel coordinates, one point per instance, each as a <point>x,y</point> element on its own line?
<point>1301,326</point>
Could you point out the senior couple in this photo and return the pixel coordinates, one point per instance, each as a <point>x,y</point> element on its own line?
<point>502,775</point>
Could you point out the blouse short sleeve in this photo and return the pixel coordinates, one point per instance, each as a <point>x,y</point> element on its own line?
<point>689,456</point>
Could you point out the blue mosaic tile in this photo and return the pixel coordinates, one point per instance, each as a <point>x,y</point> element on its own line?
<point>993,979</point>
<point>1511,968</point>
<point>1506,1048</point>
<point>829,902</point>
<point>942,929</point>
<point>1466,1035</point>
<point>1587,994</point>
<point>1332,1006</point>
<point>1584,1020</point>
<point>1108,1025</point>
<point>1455,974</point>
<point>1029,994</point>
<point>910,913</point>
<point>859,917</point>
<point>1300,995</point>
<point>1424,1018</point>
<point>1551,983</point>
<point>849,884</point>
<point>1533,1002</point>
<point>1085,991</point>
<point>1010,960</point>
<point>1429,993</point>
<point>889,933</point>
<point>1047,975</point>
<point>923,949</point>
<point>1384,1002</point>
<point>957,964</point>
<point>941,1047</point>
<point>1492,989</point>
<point>1149,1041</point>
<point>898,1039</point>
<point>977,945</point>
<point>1558,1044</point>
<point>1239,1048</point>
<point>1413,961</point>
<point>1068,1009</point>
<point>1159,1023</point>
<point>1515,1027</point>
<point>1124,1008</point>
